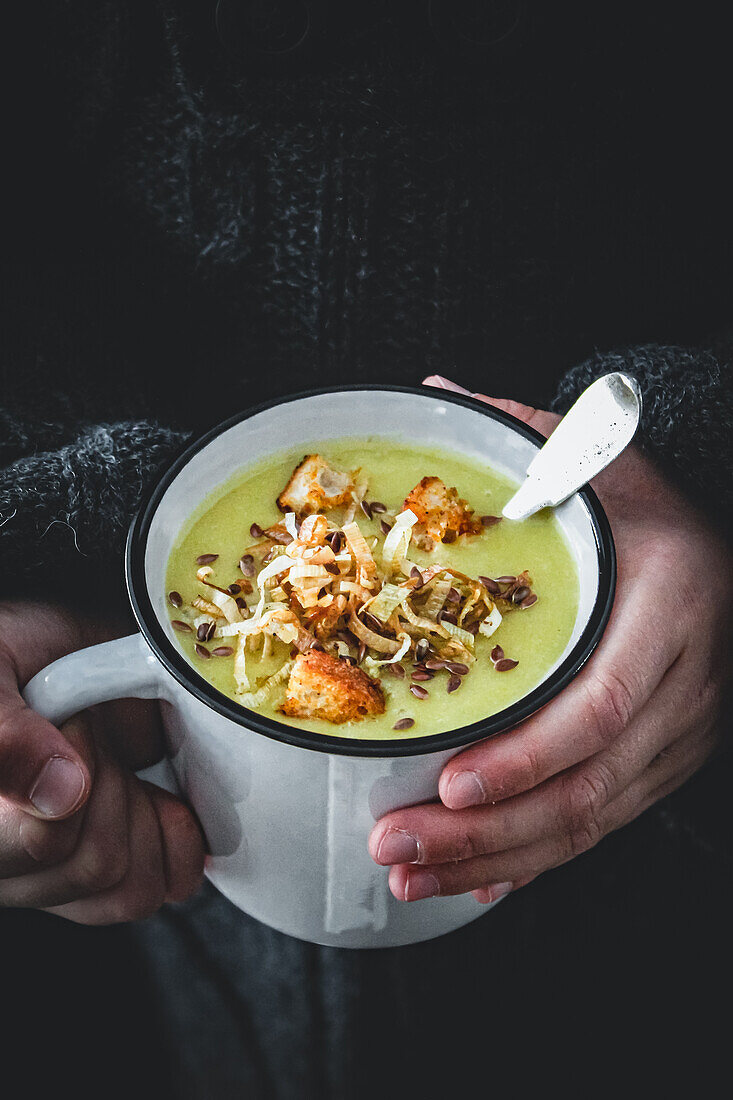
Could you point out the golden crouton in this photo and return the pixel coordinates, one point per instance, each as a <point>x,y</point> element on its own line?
<point>315,487</point>
<point>441,511</point>
<point>322,686</point>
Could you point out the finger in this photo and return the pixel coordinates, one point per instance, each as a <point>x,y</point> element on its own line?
<point>521,865</point>
<point>100,857</point>
<point>39,770</point>
<point>544,422</point>
<point>182,844</point>
<point>133,730</point>
<point>28,843</point>
<point>142,890</point>
<point>570,804</point>
<point>590,714</point>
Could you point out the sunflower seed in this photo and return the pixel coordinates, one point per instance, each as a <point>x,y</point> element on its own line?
<point>202,650</point>
<point>222,651</point>
<point>520,593</point>
<point>175,598</point>
<point>206,559</point>
<point>183,627</point>
<point>377,506</point>
<point>489,521</point>
<point>492,586</point>
<point>497,653</point>
<point>404,724</point>
<point>256,531</point>
<point>529,600</point>
<point>453,683</point>
<point>386,527</point>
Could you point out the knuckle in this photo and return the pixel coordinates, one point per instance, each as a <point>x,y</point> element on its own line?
<point>705,697</point>
<point>611,706</point>
<point>585,796</point>
<point>100,867</point>
<point>45,842</point>
<point>464,846</point>
<point>526,771</point>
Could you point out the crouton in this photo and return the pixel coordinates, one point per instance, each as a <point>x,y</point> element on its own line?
<point>441,511</point>
<point>315,487</point>
<point>322,686</point>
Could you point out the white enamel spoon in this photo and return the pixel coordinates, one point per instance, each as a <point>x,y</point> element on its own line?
<point>597,428</point>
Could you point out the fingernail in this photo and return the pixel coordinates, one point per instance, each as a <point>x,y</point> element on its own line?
<point>58,788</point>
<point>397,847</point>
<point>421,884</point>
<point>441,383</point>
<point>500,890</point>
<point>465,789</point>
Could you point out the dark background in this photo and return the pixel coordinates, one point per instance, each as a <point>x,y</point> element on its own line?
<point>489,191</point>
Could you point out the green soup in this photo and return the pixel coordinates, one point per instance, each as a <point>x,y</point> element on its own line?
<point>535,637</point>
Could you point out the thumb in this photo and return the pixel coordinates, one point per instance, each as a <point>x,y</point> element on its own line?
<point>542,421</point>
<point>39,770</point>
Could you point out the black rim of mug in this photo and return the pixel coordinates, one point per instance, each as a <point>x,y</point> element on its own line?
<point>186,675</point>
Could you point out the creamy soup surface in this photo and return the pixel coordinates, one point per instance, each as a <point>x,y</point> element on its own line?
<point>535,636</point>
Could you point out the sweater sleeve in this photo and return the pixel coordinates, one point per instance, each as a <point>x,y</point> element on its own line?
<point>64,513</point>
<point>687,418</point>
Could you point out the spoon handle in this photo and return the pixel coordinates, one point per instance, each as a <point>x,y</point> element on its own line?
<point>594,432</point>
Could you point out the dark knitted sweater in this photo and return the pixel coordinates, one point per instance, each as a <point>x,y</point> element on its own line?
<point>388,208</point>
<point>198,227</point>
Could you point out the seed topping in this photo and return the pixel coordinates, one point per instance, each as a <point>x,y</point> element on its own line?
<point>505,665</point>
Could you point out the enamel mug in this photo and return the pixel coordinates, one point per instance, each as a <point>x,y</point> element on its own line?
<point>286,812</point>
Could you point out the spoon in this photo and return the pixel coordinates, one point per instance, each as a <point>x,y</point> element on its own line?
<point>597,428</point>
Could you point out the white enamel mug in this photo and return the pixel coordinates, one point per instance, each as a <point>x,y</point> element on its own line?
<point>286,812</point>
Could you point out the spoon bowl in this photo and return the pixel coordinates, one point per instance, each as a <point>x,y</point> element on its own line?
<point>596,429</point>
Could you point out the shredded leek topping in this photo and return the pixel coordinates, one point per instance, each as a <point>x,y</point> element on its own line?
<point>319,580</point>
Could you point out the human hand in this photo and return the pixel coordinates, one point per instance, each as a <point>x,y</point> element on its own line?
<point>638,720</point>
<point>80,835</point>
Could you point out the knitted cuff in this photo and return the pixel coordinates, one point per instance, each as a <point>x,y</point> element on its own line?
<point>687,419</point>
<point>64,514</point>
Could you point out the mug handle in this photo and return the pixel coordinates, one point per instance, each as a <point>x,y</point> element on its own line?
<point>123,668</point>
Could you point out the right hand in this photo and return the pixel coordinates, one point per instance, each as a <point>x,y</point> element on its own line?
<point>80,834</point>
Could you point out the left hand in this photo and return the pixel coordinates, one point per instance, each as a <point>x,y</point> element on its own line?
<point>639,719</point>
